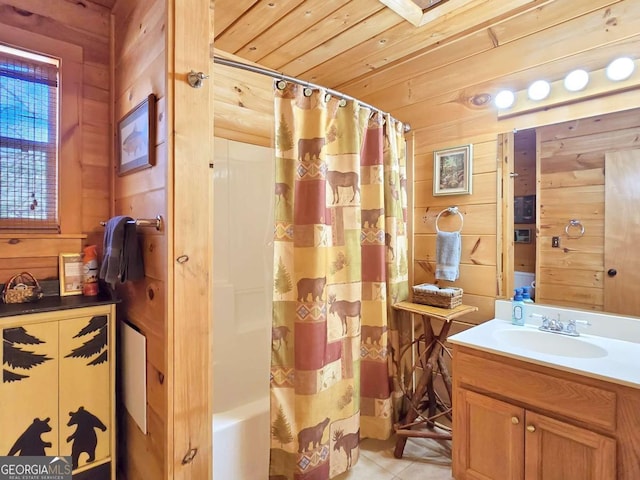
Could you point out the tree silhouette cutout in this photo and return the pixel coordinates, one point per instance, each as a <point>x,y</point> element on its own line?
<point>403,268</point>
<point>280,429</point>
<point>283,137</point>
<point>283,280</point>
<point>16,357</point>
<point>95,346</point>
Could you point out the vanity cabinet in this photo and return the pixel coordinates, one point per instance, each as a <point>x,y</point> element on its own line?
<point>518,420</point>
<point>505,441</point>
<point>57,390</point>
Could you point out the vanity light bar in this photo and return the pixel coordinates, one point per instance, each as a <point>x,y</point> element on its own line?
<point>598,85</point>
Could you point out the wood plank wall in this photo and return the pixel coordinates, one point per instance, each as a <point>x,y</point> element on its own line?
<point>243,105</point>
<point>443,91</point>
<point>80,33</point>
<point>523,185</point>
<point>572,182</point>
<point>139,68</point>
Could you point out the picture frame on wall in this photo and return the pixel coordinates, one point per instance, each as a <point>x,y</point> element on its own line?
<point>70,270</point>
<point>136,138</point>
<point>452,171</point>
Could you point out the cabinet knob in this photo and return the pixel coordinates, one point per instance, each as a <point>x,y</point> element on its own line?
<point>531,428</point>
<point>515,420</point>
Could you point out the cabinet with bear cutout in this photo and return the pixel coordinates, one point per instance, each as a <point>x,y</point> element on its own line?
<point>57,389</point>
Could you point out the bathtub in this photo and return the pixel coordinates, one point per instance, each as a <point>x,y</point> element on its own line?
<point>241,442</point>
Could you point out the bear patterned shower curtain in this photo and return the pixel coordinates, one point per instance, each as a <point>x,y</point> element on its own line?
<point>340,261</point>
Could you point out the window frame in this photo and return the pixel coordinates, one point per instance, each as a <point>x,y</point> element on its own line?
<point>70,106</point>
<point>50,224</point>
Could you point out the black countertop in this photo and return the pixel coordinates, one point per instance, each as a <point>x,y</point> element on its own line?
<point>56,303</point>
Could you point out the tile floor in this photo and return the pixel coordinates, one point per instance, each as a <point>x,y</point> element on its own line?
<point>423,459</point>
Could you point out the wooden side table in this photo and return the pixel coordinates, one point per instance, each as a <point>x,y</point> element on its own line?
<point>428,360</point>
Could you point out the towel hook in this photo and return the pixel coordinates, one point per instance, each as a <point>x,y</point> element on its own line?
<point>577,224</point>
<point>451,211</point>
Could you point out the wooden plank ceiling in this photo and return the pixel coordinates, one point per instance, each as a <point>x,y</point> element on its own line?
<point>336,42</point>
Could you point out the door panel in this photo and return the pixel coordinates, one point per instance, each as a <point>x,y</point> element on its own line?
<point>84,389</point>
<point>621,232</point>
<point>558,451</point>
<point>29,390</point>
<point>482,460</point>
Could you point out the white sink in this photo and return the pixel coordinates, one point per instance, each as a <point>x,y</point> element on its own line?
<point>550,343</point>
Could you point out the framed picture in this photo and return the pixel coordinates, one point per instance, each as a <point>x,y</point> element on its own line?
<point>136,138</point>
<point>452,171</point>
<point>70,273</point>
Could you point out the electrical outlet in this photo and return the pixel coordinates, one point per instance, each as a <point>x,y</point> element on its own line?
<point>555,242</point>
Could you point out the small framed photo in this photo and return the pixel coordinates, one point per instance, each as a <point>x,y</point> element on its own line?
<point>70,273</point>
<point>136,138</point>
<point>452,171</point>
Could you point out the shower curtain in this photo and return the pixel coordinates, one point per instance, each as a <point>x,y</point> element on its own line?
<point>340,261</point>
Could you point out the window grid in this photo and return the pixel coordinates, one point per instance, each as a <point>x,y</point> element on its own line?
<point>28,143</point>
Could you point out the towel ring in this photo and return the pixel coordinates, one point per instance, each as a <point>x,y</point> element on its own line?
<point>574,223</point>
<point>450,211</point>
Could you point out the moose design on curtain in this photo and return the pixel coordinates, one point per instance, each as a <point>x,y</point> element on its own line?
<point>340,261</point>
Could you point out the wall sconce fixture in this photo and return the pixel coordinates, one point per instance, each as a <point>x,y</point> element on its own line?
<point>620,69</point>
<point>576,80</point>
<point>578,85</point>
<point>539,90</point>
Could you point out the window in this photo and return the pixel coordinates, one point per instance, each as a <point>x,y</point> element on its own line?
<point>28,140</point>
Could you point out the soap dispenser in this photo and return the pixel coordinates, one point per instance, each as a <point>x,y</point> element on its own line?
<point>526,296</point>
<point>517,308</point>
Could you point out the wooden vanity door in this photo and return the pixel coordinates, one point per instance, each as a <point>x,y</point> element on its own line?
<point>29,390</point>
<point>85,399</point>
<point>489,438</point>
<point>558,451</point>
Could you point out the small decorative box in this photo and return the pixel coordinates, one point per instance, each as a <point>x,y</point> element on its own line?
<point>428,294</point>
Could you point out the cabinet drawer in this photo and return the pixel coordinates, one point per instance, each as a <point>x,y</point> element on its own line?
<point>565,397</point>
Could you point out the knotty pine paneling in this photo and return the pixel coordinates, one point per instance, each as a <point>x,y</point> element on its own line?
<point>434,92</point>
<point>243,106</point>
<point>66,28</point>
<point>572,185</point>
<point>139,69</point>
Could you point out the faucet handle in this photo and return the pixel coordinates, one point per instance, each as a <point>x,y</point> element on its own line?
<point>571,326</point>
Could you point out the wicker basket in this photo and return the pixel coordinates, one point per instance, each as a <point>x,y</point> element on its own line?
<point>22,288</point>
<point>428,294</point>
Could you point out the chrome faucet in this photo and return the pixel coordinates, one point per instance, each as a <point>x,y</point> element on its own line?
<point>554,325</point>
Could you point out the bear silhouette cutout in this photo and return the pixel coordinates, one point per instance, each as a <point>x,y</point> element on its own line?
<point>84,438</point>
<point>30,443</point>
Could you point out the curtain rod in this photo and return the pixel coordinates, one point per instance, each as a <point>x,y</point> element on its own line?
<point>274,74</point>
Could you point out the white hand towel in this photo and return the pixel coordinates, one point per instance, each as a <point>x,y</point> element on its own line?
<point>448,248</point>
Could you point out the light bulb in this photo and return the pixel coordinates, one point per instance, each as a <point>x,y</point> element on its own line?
<point>620,69</point>
<point>576,80</point>
<point>504,99</point>
<point>539,90</point>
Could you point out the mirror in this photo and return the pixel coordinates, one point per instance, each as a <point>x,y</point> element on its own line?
<point>578,180</point>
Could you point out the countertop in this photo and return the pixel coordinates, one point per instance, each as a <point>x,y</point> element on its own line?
<point>55,303</point>
<point>619,364</point>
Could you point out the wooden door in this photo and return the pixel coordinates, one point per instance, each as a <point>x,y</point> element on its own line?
<point>558,451</point>
<point>621,232</point>
<point>85,393</point>
<point>29,390</point>
<point>488,438</point>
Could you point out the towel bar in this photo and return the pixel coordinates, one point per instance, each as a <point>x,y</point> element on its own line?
<point>450,211</point>
<point>145,222</point>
